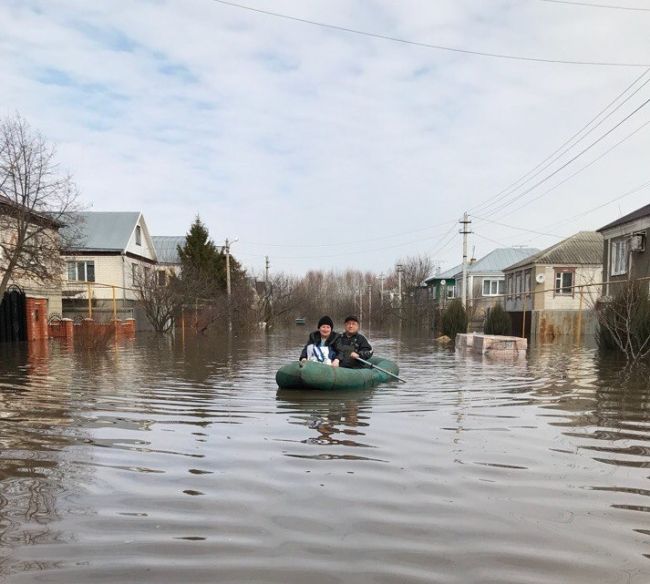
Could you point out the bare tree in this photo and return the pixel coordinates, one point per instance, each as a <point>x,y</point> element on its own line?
<point>160,297</point>
<point>36,200</point>
<point>625,322</point>
<point>279,299</point>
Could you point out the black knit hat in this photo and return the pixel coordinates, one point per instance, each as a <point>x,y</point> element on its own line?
<point>325,320</point>
<point>351,317</point>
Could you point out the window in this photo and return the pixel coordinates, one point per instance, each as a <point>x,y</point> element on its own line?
<point>511,284</point>
<point>493,287</point>
<point>618,260</point>
<point>451,291</point>
<point>161,277</point>
<point>518,284</point>
<point>564,283</point>
<point>81,271</point>
<point>138,235</point>
<point>527,282</point>
<point>134,272</point>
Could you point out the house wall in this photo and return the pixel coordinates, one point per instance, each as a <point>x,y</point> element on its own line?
<point>146,249</point>
<point>543,295</point>
<point>480,304</point>
<point>638,262</point>
<point>110,270</point>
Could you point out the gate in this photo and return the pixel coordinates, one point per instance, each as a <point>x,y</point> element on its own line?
<point>13,316</point>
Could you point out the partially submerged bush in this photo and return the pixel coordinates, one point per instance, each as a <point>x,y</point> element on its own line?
<point>498,322</point>
<point>625,323</point>
<point>454,319</point>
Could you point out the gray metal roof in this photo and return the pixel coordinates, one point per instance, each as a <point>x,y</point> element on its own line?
<point>104,231</point>
<point>583,248</point>
<point>167,248</point>
<point>499,259</point>
<point>642,212</point>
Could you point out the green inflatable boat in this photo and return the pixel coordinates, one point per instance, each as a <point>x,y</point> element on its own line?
<point>313,375</point>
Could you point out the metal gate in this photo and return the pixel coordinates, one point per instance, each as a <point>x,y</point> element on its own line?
<point>13,316</point>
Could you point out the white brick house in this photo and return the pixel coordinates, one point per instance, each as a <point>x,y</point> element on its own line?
<point>115,248</point>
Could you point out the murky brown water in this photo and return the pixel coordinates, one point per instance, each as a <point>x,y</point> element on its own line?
<point>164,462</point>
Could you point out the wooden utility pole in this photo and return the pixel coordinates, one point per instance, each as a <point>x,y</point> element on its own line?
<point>369,304</point>
<point>381,293</point>
<point>266,271</point>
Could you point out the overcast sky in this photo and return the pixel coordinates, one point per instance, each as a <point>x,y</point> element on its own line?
<point>326,149</point>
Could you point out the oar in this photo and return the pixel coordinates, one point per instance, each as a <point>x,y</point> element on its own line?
<point>379,368</point>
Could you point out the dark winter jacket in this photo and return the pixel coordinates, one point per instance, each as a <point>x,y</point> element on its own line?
<point>345,345</point>
<point>315,339</point>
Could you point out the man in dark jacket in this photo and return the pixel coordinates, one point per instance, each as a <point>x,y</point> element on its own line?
<point>320,345</point>
<point>351,345</point>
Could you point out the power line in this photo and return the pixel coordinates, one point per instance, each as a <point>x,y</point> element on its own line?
<point>515,227</point>
<point>552,157</point>
<point>585,167</point>
<point>592,5</point>
<point>552,174</point>
<point>300,245</point>
<point>426,45</point>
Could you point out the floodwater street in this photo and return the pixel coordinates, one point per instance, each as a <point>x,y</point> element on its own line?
<point>159,461</point>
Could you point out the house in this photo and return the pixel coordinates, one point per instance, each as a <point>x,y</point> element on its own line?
<point>486,280</point>
<point>556,288</point>
<point>113,251</point>
<point>33,291</point>
<point>443,286</point>
<point>625,244</point>
<point>169,261</point>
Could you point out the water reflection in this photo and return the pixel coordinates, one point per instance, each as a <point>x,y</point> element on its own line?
<point>168,460</point>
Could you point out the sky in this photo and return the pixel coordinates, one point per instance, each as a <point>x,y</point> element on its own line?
<point>327,149</point>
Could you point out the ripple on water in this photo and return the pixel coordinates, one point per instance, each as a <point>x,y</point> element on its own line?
<point>163,461</point>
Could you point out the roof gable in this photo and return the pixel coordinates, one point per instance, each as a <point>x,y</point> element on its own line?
<point>582,248</point>
<point>638,214</point>
<point>105,231</point>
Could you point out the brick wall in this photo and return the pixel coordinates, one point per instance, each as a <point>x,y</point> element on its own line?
<point>36,318</point>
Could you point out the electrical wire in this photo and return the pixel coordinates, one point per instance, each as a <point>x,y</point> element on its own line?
<point>563,166</point>
<point>426,45</point>
<point>593,5</point>
<point>585,167</point>
<point>569,143</point>
<point>409,232</point>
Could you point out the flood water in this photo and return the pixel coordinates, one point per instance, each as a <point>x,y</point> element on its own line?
<point>180,462</point>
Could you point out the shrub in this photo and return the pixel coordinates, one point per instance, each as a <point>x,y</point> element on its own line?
<point>454,319</point>
<point>498,322</point>
<point>625,323</point>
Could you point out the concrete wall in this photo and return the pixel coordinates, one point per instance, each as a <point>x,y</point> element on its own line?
<point>548,325</point>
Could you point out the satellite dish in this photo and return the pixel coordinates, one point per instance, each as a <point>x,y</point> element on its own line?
<point>443,282</point>
<point>539,278</point>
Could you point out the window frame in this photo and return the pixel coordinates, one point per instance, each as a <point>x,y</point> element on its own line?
<point>75,265</point>
<point>558,273</point>
<point>494,284</point>
<point>138,235</point>
<point>619,260</point>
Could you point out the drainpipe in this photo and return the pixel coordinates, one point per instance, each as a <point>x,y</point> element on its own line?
<point>123,280</point>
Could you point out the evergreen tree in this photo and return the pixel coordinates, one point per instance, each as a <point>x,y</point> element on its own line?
<point>454,319</point>
<point>203,264</point>
<point>498,322</point>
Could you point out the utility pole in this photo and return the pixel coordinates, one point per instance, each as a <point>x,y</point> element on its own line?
<point>399,284</point>
<point>465,221</point>
<point>369,304</point>
<point>266,271</point>
<point>228,287</point>
<point>381,293</point>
